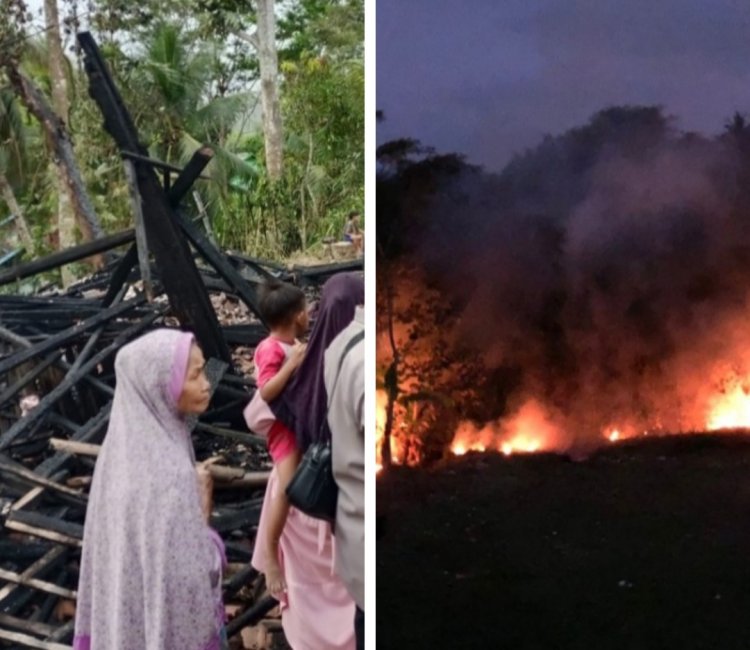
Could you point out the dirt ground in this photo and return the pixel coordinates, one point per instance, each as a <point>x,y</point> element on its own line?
<point>642,546</point>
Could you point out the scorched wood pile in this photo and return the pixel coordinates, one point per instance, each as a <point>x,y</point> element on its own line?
<point>57,352</point>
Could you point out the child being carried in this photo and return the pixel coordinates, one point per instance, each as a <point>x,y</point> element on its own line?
<point>277,357</point>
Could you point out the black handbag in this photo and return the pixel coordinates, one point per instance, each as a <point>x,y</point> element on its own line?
<point>313,489</point>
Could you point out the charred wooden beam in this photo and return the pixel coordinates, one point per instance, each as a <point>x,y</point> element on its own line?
<point>218,261</point>
<point>160,164</point>
<point>251,616</point>
<point>238,581</point>
<point>26,424</point>
<point>29,477</point>
<point>73,254</point>
<point>86,433</point>
<point>35,583</point>
<point>181,187</point>
<point>45,527</point>
<point>68,335</point>
<point>15,551</point>
<point>30,641</point>
<point>178,272</point>
<point>234,520</point>
<point>13,390</point>
<point>13,597</point>
<point>241,436</point>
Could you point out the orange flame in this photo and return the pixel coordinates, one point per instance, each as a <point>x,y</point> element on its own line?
<point>529,431</point>
<point>730,410</point>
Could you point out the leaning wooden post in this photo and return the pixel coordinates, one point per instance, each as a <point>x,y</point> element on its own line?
<point>140,230</point>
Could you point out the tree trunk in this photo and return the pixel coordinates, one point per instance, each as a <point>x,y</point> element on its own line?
<point>59,143</point>
<point>391,386</point>
<point>269,72</point>
<point>66,220</point>
<point>22,227</point>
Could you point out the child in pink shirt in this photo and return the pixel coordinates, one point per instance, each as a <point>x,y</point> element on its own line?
<point>277,357</point>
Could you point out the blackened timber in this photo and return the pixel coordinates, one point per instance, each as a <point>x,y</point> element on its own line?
<point>121,274</point>
<point>178,272</point>
<point>68,335</point>
<point>27,423</point>
<point>31,478</point>
<point>14,551</point>
<point>252,616</point>
<point>177,192</point>
<point>238,581</point>
<point>36,583</point>
<point>22,342</point>
<point>30,376</point>
<point>73,254</point>
<point>30,642</point>
<point>189,174</point>
<point>45,527</point>
<point>88,432</point>
<point>215,258</point>
<point>13,597</point>
<point>129,155</point>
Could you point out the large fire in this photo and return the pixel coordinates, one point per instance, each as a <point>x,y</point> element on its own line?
<point>531,429</point>
<point>730,410</point>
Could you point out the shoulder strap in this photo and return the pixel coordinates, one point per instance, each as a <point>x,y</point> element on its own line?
<point>349,346</point>
<point>351,343</point>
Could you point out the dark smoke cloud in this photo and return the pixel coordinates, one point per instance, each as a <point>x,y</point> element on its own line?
<point>611,265</point>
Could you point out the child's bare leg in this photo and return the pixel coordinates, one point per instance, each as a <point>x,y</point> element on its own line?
<point>277,518</point>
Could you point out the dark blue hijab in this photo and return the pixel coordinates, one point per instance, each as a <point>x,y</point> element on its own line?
<point>303,406</point>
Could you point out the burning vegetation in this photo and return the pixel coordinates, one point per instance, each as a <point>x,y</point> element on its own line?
<point>594,291</point>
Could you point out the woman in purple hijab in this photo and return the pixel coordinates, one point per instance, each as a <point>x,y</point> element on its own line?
<point>151,566</point>
<point>303,405</point>
<point>317,612</point>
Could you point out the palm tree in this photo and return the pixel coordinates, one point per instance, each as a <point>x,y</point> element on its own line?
<point>179,81</point>
<point>14,140</point>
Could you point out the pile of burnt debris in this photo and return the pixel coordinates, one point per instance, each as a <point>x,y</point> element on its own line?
<point>57,351</point>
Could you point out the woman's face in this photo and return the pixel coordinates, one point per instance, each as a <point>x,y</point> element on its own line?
<point>196,391</point>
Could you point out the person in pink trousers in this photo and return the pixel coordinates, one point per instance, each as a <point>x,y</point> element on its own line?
<point>317,611</point>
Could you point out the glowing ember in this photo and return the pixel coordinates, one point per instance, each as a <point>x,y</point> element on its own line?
<point>730,410</point>
<point>529,431</point>
<point>613,435</point>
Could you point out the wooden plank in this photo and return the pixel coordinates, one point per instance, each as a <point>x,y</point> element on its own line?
<point>68,335</point>
<point>63,631</point>
<point>50,559</point>
<point>10,392</point>
<point>252,616</point>
<point>26,625</point>
<point>22,550</point>
<point>30,641</point>
<point>129,156</point>
<point>32,495</point>
<point>85,433</point>
<point>35,583</point>
<point>242,436</point>
<point>61,258</point>
<point>178,272</point>
<point>140,230</point>
<point>181,186</point>
<point>246,292</point>
<point>72,378</point>
<point>74,447</point>
<point>30,477</point>
<point>38,525</point>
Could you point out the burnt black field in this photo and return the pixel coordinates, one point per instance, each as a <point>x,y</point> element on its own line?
<point>643,545</point>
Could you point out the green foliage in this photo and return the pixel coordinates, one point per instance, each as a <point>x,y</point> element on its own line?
<point>189,79</point>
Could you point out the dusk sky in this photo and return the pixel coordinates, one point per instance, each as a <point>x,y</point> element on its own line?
<point>488,78</point>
